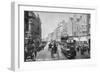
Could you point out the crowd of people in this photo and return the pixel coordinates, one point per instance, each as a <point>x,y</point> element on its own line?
<point>85,47</point>
<point>31,47</point>
<point>53,48</point>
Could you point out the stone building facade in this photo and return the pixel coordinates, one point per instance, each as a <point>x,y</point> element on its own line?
<point>32,25</point>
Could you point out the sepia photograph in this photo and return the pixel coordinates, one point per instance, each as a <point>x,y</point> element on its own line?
<point>50,36</point>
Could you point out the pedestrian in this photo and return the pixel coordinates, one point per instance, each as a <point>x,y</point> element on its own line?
<point>50,46</point>
<point>33,52</point>
<point>54,50</point>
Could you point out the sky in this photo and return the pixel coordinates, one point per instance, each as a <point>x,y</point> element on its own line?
<point>50,21</point>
